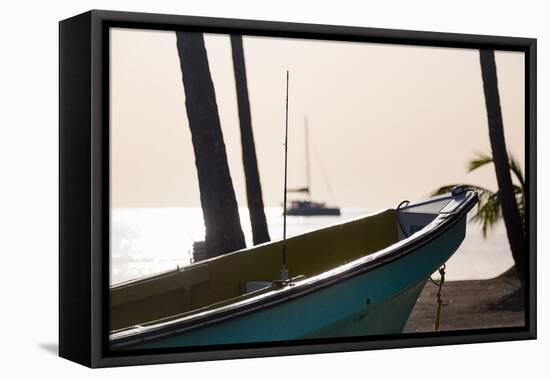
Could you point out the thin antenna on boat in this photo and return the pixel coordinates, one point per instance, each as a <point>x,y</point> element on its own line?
<point>284,270</point>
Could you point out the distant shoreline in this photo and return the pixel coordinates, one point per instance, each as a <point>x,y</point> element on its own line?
<point>471,304</point>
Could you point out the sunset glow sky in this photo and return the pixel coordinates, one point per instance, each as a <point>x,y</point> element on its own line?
<point>389,122</point>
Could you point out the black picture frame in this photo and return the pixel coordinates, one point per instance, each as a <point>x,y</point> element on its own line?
<point>84,184</point>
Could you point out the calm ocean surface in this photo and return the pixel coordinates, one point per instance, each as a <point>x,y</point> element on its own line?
<point>151,240</point>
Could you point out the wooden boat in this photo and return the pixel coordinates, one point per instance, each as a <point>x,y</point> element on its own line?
<point>360,277</point>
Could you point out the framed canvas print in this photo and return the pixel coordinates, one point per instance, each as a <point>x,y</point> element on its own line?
<point>234,188</point>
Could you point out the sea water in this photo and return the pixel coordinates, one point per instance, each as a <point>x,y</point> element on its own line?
<point>145,241</point>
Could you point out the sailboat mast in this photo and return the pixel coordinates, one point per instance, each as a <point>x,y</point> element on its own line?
<point>306,140</point>
<point>284,270</point>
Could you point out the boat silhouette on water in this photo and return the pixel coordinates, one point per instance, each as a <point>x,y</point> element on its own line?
<point>308,207</point>
<point>311,208</point>
<point>356,278</point>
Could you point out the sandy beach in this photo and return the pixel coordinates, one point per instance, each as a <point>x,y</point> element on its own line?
<point>470,304</point>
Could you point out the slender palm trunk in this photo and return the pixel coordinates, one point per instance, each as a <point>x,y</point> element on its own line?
<point>258,221</point>
<point>219,205</point>
<point>510,211</point>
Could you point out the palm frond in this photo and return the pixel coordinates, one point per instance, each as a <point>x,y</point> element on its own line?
<point>481,160</point>
<point>520,200</point>
<point>515,167</point>
<point>488,212</point>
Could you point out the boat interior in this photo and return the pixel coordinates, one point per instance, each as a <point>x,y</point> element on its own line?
<point>233,277</point>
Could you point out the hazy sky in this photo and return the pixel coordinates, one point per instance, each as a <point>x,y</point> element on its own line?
<point>389,122</point>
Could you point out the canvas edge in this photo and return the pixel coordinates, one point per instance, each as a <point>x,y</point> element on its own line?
<point>98,356</point>
<point>75,270</point>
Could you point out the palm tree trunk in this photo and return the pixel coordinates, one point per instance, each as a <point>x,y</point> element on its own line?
<point>510,212</point>
<point>219,205</point>
<point>258,221</point>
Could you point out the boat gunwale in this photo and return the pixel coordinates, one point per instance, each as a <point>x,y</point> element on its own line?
<point>182,323</point>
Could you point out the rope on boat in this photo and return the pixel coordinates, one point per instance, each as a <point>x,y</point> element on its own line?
<point>439,300</point>
<point>402,203</point>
